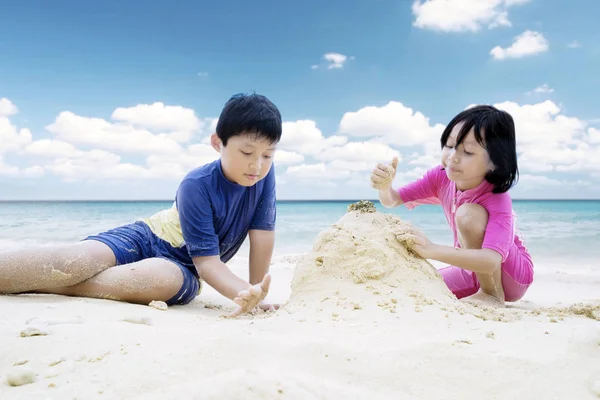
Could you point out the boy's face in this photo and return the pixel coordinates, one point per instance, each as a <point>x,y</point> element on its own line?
<point>246,159</point>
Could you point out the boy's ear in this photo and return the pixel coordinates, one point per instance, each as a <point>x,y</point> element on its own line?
<point>216,142</point>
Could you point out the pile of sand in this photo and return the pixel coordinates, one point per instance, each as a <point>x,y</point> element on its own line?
<point>362,263</point>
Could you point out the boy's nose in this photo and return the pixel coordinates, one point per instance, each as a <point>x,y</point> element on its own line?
<point>257,164</point>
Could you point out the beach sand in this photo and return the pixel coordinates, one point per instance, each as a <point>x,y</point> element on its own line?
<point>363,318</point>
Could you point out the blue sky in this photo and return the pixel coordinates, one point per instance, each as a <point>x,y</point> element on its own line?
<point>115,100</point>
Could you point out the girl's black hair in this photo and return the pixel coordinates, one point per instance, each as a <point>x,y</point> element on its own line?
<point>495,131</point>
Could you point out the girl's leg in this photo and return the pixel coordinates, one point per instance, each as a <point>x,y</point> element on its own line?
<point>471,222</point>
<point>139,282</point>
<point>44,268</point>
<point>462,283</point>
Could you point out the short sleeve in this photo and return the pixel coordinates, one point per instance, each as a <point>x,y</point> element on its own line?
<point>499,234</point>
<point>196,219</point>
<point>266,211</point>
<point>423,190</point>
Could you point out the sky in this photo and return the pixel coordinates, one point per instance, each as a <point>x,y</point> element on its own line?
<point>116,100</point>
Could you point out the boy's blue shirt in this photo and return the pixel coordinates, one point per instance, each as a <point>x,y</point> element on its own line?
<point>211,216</point>
<point>216,214</point>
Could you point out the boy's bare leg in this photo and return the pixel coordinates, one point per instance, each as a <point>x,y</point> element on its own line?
<point>50,267</point>
<point>140,282</point>
<point>471,222</point>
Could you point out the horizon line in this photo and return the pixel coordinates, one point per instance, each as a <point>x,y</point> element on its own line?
<point>278,200</point>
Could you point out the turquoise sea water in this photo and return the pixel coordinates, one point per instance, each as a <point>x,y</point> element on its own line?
<point>559,233</point>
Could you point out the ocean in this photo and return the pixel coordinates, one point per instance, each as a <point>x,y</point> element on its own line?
<point>562,236</point>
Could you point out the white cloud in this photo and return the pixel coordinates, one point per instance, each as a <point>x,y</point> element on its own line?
<point>179,121</point>
<point>159,117</point>
<point>527,43</point>
<point>593,136</point>
<point>393,123</point>
<point>304,137</point>
<point>427,159</point>
<point>7,108</point>
<point>11,138</point>
<point>203,74</point>
<point>535,181</point>
<point>335,60</point>
<point>349,162</point>
<point>102,134</point>
<point>314,66</point>
<point>541,89</point>
<point>287,157</point>
<point>462,15</point>
<point>549,142</point>
<point>574,45</point>
<point>51,148</point>
<point>316,172</point>
<point>7,170</point>
<point>368,152</point>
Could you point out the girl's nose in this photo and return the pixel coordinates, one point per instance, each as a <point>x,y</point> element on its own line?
<point>452,157</point>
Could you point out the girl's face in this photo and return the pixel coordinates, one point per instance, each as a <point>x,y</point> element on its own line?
<point>468,164</point>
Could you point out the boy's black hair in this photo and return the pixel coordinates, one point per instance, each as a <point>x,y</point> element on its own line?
<point>249,114</point>
<point>495,131</point>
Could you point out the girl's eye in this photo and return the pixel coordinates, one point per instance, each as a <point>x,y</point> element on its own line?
<point>246,154</point>
<point>467,153</point>
<point>448,146</point>
<point>268,156</point>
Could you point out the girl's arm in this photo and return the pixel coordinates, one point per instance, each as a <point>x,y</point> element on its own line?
<point>483,261</point>
<point>390,198</point>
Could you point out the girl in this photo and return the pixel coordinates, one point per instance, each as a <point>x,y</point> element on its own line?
<point>489,262</point>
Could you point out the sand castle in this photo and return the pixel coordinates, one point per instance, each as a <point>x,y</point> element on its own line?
<point>362,261</point>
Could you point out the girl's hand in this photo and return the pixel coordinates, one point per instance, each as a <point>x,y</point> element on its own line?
<point>416,241</point>
<point>383,175</point>
<point>247,300</point>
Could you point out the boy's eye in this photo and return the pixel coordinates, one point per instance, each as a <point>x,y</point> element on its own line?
<point>246,154</point>
<point>268,156</point>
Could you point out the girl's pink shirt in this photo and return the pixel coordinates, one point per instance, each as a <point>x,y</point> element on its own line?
<point>434,187</point>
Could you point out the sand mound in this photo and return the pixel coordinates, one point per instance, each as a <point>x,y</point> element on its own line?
<point>361,261</point>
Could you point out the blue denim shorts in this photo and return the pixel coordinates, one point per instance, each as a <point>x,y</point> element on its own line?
<point>136,242</point>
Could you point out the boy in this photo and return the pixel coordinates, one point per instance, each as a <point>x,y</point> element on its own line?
<point>165,256</point>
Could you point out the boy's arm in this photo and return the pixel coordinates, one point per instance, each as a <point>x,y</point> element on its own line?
<point>218,275</point>
<point>196,217</point>
<point>214,272</point>
<point>262,230</point>
<point>262,244</point>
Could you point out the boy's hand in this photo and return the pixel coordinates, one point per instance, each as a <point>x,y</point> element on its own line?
<point>383,175</point>
<point>247,300</point>
<point>268,306</point>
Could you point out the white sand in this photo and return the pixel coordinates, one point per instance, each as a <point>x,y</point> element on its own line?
<point>365,320</point>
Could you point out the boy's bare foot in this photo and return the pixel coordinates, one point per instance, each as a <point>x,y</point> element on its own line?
<point>483,299</point>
